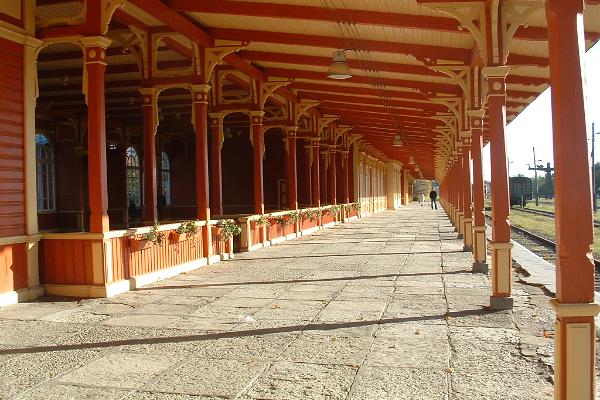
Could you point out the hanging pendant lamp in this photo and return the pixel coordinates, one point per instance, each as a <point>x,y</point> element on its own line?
<point>339,69</point>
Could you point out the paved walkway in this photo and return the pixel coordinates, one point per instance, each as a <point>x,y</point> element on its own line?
<point>380,308</point>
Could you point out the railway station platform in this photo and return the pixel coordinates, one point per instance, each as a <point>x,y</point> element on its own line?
<point>384,307</point>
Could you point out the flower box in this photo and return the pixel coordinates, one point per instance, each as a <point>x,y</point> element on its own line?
<point>136,244</point>
<point>177,237</point>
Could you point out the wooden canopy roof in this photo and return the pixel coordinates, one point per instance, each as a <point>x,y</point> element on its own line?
<point>392,47</point>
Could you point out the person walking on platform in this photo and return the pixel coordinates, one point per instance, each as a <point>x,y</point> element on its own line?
<point>433,197</point>
<point>422,202</point>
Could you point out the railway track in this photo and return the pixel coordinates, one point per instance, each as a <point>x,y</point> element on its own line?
<point>548,214</point>
<point>546,248</point>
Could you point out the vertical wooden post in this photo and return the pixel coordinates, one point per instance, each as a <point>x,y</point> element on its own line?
<point>200,104</point>
<point>346,167</point>
<point>479,239</point>
<point>574,372</point>
<point>316,192</point>
<point>216,190</point>
<point>150,112</point>
<point>292,178</point>
<point>501,246</point>
<point>332,175</point>
<point>460,194</point>
<point>324,179</point>
<point>258,144</point>
<point>95,66</point>
<point>466,178</point>
<point>308,159</point>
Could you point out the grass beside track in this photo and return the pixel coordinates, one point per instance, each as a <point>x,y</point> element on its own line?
<point>543,226</point>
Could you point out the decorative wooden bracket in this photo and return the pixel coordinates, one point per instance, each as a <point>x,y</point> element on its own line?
<point>514,14</point>
<point>108,9</point>
<point>206,59</point>
<point>268,88</point>
<point>324,121</point>
<point>142,41</point>
<point>471,15</point>
<point>301,107</point>
<point>340,130</point>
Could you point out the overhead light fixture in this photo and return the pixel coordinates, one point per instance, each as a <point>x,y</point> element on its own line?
<point>397,141</point>
<point>339,69</point>
<point>411,160</point>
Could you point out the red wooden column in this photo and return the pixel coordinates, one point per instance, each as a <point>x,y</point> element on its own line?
<point>200,104</point>
<point>216,189</point>
<point>258,144</point>
<point>95,66</point>
<point>332,175</point>
<point>466,180</point>
<point>325,178</point>
<point>501,246</point>
<point>150,111</point>
<point>308,160</point>
<point>316,187</point>
<point>452,188</point>
<point>574,304</point>
<point>292,170</point>
<point>460,194</point>
<point>346,180</point>
<point>479,239</point>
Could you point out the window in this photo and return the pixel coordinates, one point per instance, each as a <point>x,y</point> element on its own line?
<point>165,175</point>
<point>44,156</point>
<point>133,176</point>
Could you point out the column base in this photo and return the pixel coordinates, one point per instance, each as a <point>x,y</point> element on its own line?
<point>468,234</point>
<point>574,350</point>
<point>460,223</point>
<point>501,303</point>
<point>480,268</point>
<point>479,245</point>
<point>501,269</point>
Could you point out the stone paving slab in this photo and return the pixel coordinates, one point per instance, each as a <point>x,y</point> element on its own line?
<point>384,307</point>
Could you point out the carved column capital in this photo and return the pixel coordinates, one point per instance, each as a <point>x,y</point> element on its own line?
<point>200,93</point>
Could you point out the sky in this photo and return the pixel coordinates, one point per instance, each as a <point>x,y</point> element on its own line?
<point>533,127</point>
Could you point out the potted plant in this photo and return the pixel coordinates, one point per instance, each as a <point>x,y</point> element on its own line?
<point>282,220</point>
<point>146,240</point>
<point>263,220</point>
<point>184,231</point>
<point>294,216</point>
<point>228,229</point>
<point>310,214</point>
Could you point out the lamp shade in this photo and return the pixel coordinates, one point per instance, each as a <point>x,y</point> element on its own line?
<point>339,69</point>
<point>397,141</point>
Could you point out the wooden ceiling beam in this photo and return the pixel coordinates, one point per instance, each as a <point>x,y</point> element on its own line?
<point>333,42</point>
<point>424,86</point>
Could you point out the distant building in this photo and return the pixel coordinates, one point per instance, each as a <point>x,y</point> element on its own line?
<point>487,189</point>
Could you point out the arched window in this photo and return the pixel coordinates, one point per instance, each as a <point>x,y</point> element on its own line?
<point>133,176</point>
<point>44,155</point>
<point>165,174</point>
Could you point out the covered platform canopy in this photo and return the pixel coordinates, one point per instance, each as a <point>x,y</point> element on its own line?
<point>301,113</point>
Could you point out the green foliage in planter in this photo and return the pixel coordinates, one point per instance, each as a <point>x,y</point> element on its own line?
<point>294,216</point>
<point>311,214</point>
<point>154,235</point>
<point>282,220</point>
<point>355,206</point>
<point>190,227</point>
<point>229,228</point>
<point>333,210</point>
<point>263,220</point>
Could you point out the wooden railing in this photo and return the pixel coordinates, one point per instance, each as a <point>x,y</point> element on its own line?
<point>86,264</point>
